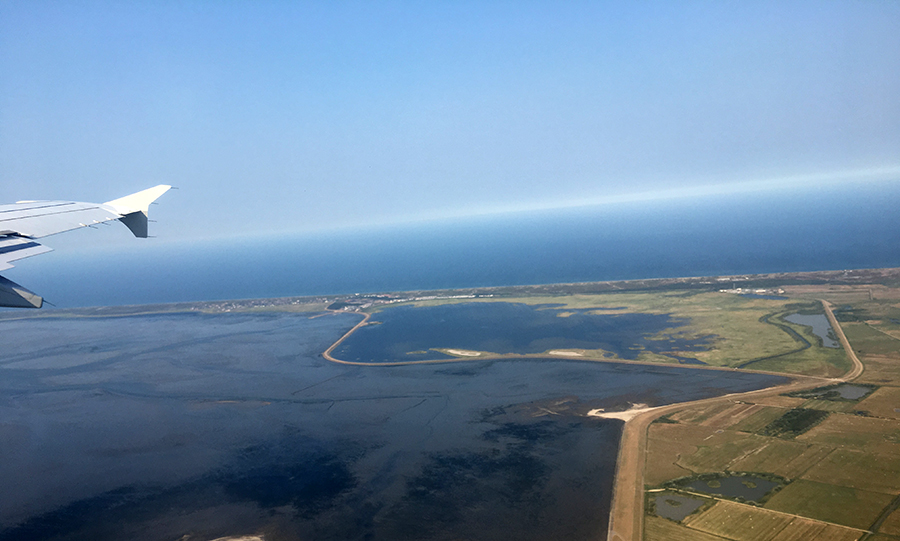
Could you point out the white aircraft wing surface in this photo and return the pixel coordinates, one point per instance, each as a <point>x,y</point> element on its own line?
<point>25,221</point>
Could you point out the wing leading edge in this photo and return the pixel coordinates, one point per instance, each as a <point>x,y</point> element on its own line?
<point>25,221</point>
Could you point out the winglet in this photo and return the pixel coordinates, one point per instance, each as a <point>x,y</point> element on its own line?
<point>15,296</point>
<point>133,208</point>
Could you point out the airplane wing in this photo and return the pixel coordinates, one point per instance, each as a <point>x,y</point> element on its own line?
<point>25,221</point>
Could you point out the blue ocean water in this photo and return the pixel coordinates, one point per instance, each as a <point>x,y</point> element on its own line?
<point>827,229</point>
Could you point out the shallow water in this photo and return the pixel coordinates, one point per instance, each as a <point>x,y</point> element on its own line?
<point>848,392</point>
<point>411,333</point>
<point>155,427</point>
<point>675,506</point>
<point>820,327</point>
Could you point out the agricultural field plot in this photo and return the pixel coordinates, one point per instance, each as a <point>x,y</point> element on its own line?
<point>881,369</point>
<point>891,526</point>
<point>834,293</point>
<point>700,414</point>
<point>662,456</point>
<point>779,401</point>
<point>799,465</point>
<point>830,503</point>
<point>719,451</point>
<point>759,419</point>
<point>884,403</point>
<point>858,469</point>
<point>660,529</point>
<point>734,413</point>
<point>880,436</point>
<point>785,458</point>
<point>680,450</point>
<point>829,405</point>
<point>867,340</point>
<point>740,522</point>
<point>804,530</point>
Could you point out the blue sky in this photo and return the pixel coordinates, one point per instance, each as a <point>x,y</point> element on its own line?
<point>298,116</point>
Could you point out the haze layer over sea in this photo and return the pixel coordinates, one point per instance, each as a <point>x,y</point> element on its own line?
<point>854,226</point>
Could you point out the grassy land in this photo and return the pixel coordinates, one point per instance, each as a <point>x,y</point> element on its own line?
<point>830,503</point>
<point>736,521</point>
<point>860,469</point>
<point>733,521</point>
<point>758,420</point>
<point>660,528</point>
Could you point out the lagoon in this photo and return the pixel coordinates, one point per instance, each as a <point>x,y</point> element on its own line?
<point>407,333</point>
<point>151,427</point>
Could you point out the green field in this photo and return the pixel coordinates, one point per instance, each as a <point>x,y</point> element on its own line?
<point>660,529</point>
<point>859,469</point>
<point>737,521</point>
<point>830,503</point>
<point>759,420</point>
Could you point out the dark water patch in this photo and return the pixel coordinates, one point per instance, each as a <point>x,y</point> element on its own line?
<point>526,432</point>
<point>470,368</point>
<point>471,494</point>
<point>674,506</point>
<point>527,484</point>
<point>309,480</point>
<point>502,327</point>
<point>843,391</point>
<point>296,473</point>
<point>686,360</point>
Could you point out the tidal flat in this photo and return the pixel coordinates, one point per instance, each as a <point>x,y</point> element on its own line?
<point>197,426</point>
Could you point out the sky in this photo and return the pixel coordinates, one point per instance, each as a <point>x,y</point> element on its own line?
<point>280,117</point>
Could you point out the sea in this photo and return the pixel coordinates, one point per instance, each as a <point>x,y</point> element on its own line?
<point>828,228</point>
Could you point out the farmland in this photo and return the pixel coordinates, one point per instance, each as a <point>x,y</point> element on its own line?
<point>840,457</point>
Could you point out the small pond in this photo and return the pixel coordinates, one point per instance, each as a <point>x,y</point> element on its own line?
<point>675,506</point>
<point>819,324</point>
<point>848,392</point>
<point>750,488</point>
